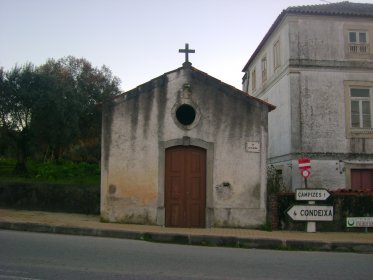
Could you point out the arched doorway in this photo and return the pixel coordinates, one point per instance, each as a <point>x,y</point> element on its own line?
<point>185,186</point>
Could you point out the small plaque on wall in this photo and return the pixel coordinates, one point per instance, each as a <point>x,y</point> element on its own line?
<point>253,147</point>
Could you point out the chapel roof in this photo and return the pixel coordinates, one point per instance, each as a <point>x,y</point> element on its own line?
<point>196,73</point>
<point>343,9</point>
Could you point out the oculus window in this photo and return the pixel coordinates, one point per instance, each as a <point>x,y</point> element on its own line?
<point>186,114</point>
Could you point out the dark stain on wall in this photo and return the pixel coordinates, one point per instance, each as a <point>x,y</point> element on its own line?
<point>112,189</point>
<point>224,191</point>
<point>146,105</point>
<point>161,99</point>
<point>133,107</point>
<point>218,112</point>
<point>227,110</point>
<point>256,192</point>
<point>107,121</point>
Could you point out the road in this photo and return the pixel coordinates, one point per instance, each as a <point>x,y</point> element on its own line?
<point>31,256</point>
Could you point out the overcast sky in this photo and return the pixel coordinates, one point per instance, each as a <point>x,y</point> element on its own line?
<point>139,39</point>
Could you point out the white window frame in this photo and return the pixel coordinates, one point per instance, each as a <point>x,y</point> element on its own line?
<point>360,132</point>
<point>358,47</point>
<point>264,68</point>
<point>360,100</point>
<point>253,80</point>
<point>276,54</point>
<point>357,33</point>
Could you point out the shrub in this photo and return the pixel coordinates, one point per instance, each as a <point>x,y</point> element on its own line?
<point>66,172</point>
<point>274,181</point>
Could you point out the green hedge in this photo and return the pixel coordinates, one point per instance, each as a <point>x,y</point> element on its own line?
<point>346,204</point>
<point>62,172</point>
<point>51,197</point>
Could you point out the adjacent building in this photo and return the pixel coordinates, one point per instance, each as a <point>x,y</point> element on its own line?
<point>315,64</point>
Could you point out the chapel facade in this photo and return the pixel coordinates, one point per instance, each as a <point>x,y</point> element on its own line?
<point>185,150</point>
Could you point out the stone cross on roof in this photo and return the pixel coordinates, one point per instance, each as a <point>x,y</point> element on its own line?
<point>187,51</point>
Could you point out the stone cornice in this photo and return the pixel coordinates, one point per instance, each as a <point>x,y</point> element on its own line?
<point>331,64</point>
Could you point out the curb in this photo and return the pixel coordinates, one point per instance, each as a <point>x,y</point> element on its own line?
<point>201,240</point>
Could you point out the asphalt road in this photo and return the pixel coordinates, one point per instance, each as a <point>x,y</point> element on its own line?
<point>31,256</point>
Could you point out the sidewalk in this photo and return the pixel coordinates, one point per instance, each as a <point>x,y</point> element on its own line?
<point>78,224</point>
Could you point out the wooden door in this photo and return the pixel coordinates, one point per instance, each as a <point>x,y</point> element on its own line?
<point>185,187</point>
<point>361,179</point>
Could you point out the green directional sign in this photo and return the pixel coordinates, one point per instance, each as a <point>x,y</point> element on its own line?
<point>359,222</point>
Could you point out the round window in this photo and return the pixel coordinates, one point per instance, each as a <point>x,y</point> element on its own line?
<point>186,114</point>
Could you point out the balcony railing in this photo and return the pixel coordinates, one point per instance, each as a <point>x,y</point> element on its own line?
<point>358,48</point>
<point>361,130</point>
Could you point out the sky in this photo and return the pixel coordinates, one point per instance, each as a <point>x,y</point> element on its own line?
<point>139,39</point>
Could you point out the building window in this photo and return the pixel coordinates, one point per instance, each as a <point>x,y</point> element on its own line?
<point>276,55</point>
<point>245,82</point>
<point>361,179</point>
<point>361,116</point>
<point>358,42</point>
<point>264,69</point>
<point>186,114</point>
<point>359,108</point>
<point>253,80</point>
<point>280,177</point>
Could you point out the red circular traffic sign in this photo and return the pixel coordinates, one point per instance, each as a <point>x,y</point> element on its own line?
<point>306,173</point>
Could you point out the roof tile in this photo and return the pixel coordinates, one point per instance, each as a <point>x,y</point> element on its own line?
<point>340,9</point>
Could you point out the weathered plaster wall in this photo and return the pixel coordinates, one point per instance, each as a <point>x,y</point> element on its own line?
<point>139,123</point>
<point>324,116</point>
<point>312,38</point>
<point>280,120</point>
<point>324,38</point>
<point>129,187</point>
<point>318,124</point>
<point>229,123</point>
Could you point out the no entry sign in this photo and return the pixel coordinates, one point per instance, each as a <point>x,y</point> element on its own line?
<point>304,163</point>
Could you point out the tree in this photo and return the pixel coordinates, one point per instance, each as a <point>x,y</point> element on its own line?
<point>68,113</point>
<point>53,107</point>
<point>55,119</point>
<point>17,97</point>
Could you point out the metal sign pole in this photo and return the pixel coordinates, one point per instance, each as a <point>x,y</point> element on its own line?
<point>311,226</point>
